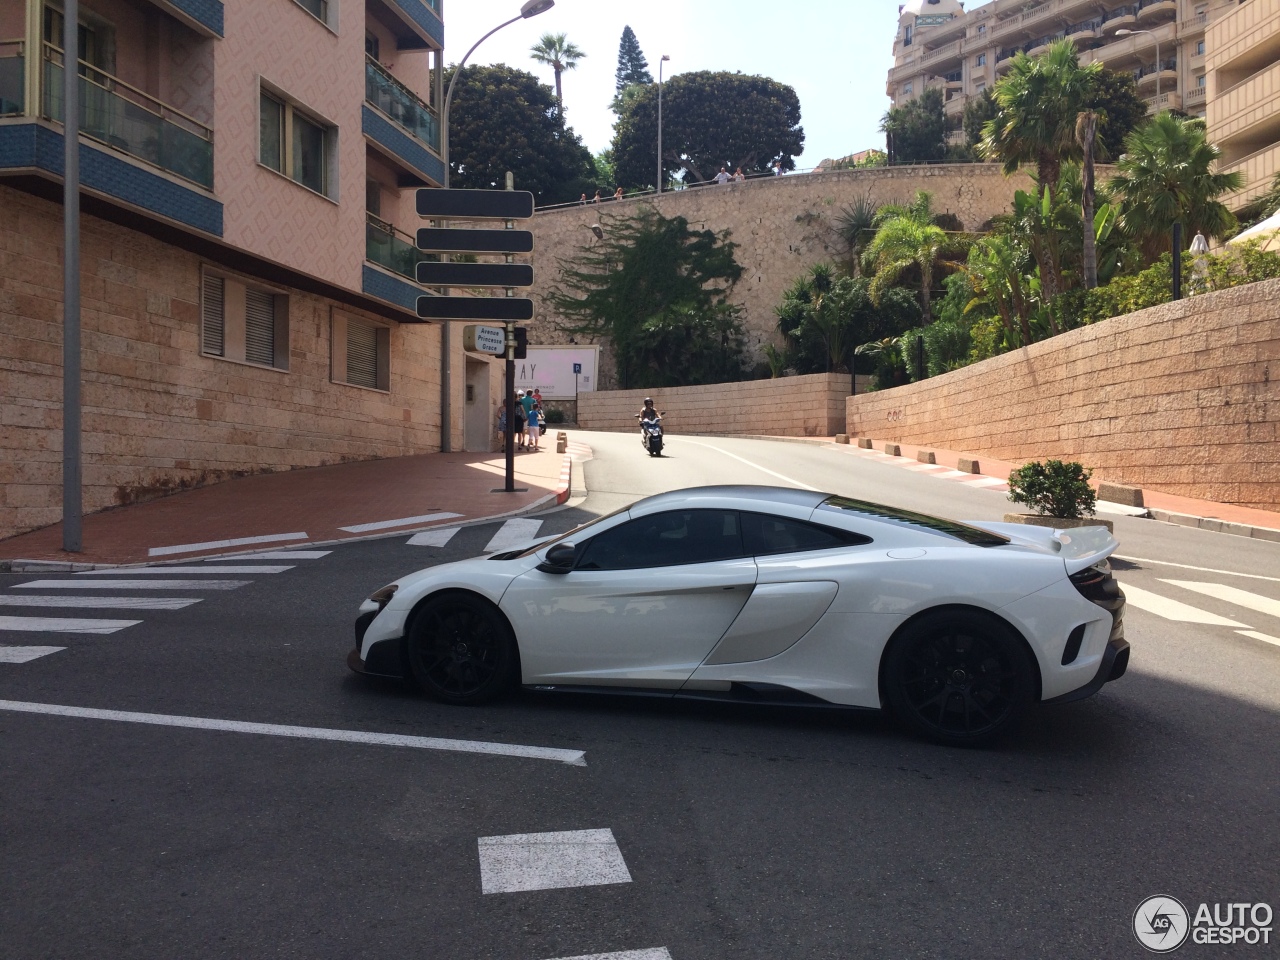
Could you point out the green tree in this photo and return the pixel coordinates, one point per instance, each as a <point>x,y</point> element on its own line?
<point>916,132</point>
<point>907,240</point>
<point>856,226</point>
<point>1119,108</point>
<point>555,50</point>
<point>709,120</point>
<point>1166,175</point>
<point>659,292</point>
<point>978,112</point>
<point>504,119</point>
<point>1039,100</point>
<point>633,68</point>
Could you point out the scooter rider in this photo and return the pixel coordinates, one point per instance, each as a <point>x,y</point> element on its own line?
<point>648,413</point>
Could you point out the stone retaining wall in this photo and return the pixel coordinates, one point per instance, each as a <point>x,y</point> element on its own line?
<point>1182,398</point>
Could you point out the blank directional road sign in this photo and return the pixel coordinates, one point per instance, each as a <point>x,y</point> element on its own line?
<point>506,309</point>
<point>462,240</point>
<point>475,204</point>
<point>475,274</point>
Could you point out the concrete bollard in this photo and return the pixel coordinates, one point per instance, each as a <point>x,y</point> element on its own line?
<point>893,450</point>
<point>562,443</point>
<point>968,465</point>
<point>1119,493</point>
<point>842,438</point>
<point>926,456</point>
<point>864,443</point>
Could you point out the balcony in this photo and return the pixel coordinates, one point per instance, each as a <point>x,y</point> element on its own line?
<point>401,104</point>
<point>1258,168</point>
<point>13,95</point>
<point>415,23</point>
<point>949,50</point>
<point>1166,70</point>
<point>135,123</point>
<point>1125,16</point>
<point>402,126</point>
<point>389,248</point>
<point>1157,10</point>
<point>1194,97</point>
<point>1165,101</point>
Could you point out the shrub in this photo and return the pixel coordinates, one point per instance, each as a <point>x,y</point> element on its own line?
<point>1053,488</point>
<point>555,416</point>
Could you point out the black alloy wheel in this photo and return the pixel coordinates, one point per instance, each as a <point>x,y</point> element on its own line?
<point>958,677</point>
<point>461,649</point>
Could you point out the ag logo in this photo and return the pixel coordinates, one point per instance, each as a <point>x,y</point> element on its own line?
<point>1161,924</point>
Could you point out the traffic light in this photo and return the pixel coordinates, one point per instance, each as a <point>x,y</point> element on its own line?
<point>522,342</point>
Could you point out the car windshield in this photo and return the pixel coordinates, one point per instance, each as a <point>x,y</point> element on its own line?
<point>938,525</point>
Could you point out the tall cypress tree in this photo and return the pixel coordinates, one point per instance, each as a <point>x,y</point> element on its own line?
<point>632,66</point>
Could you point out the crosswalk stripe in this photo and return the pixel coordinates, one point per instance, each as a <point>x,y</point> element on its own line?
<point>1174,609</point>
<point>25,654</point>
<point>219,544</point>
<point>512,534</point>
<point>655,953</point>
<point>522,862</point>
<point>102,603</point>
<point>432,538</point>
<point>402,522</point>
<point>1254,634</point>
<point>1187,566</point>
<point>164,571</point>
<point>280,555</point>
<point>984,482</point>
<point>132,584</point>
<point>61,625</point>
<point>1241,598</point>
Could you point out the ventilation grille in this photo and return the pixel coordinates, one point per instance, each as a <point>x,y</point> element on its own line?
<point>362,354</point>
<point>213,317</point>
<point>260,327</point>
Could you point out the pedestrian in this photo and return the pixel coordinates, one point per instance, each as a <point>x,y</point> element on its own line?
<point>502,426</point>
<point>617,194</point>
<point>596,198</point>
<point>519,412</point>
<point>537,396</point>
<point>739,175</point>
<point>723,176</point>
<point>583,199</point>
<point>777,169</point>
<point>526,404</point>
<point>535,426</point>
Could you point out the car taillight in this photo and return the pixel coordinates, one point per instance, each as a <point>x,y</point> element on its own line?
<point>1096,583</point>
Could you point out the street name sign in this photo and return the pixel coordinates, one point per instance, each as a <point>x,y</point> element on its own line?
<point>475,204</point>
<point>480,339</point>
<point>462,240</point>
<point>475,274</point>
<point>507,309</point>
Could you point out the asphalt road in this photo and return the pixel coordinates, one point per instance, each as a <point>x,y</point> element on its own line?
<point>746,833</point>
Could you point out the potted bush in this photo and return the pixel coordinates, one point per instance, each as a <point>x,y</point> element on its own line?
<point>1058,492</point>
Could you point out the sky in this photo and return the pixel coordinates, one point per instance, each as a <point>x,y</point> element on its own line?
<point>834,53</point>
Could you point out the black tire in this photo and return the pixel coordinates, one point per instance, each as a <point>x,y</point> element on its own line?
<point>958,677</point>
<point>461,650</point>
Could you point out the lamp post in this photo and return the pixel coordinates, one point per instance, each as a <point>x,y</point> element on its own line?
<point>1127,33</point>
<point>72,462</point>
<point>664,59</point>
<point>530,8</point>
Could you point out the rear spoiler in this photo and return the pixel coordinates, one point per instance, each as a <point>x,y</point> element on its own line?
<point>1082,547</point>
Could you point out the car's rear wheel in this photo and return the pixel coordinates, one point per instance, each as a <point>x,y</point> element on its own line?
<point>958,677</point>
<point>461,649</point>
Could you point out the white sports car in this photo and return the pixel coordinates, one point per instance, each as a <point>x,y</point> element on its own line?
<point>769,595</point>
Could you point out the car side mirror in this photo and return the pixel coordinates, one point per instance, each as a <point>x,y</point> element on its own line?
<point>559,558</point>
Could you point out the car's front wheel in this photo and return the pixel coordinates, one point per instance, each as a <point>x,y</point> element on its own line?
<point>958,677</point>
<point>461,649</point>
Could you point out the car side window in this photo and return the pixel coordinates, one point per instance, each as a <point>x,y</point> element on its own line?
<point>765,535</point>
<point>676,537</point>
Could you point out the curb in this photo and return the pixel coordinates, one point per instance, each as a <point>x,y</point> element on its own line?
<point>1215,525</point>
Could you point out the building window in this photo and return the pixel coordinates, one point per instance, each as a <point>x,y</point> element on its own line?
<point>1200,81</point>
<point>371,46</point>
<point>243,322</point>
<point>906,35</point>
<point>296,144</point>
<point>908,90</point>
<point>982,29</point>
<point>980,60</point>
<point>979,87</point>
<point>322,10</point>
<point>360,353</point>
<point>1199,48</point>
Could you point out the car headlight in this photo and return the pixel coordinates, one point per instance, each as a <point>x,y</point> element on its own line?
<point>383,596</point>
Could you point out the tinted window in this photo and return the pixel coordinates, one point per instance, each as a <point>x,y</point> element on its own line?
<point>921,521</point>
<point>664,540</point>
<point>765,535</point>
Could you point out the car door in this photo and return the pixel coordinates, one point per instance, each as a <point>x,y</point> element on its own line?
<point>644,604</point>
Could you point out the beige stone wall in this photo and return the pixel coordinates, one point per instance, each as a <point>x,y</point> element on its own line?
<point>811,406</point>
<point>158,416</point>
<point>1183,398</point>
<point>783,226</point>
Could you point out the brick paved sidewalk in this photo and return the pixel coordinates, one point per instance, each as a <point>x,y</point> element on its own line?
<point>316,505</point>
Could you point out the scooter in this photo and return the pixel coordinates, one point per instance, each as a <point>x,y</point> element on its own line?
<point>651,435</point>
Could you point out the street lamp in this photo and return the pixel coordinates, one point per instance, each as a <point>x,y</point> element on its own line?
<point>1125,32</point>
<point>530,8</point>
<point>664,59</point>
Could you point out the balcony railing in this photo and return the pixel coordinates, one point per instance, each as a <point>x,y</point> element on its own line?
<point>1164,66</point>
<point>400,104</point>
<point>12,78</point>
<point>136,123</point>
<point>388,247</point>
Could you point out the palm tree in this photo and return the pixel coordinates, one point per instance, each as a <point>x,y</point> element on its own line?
<point>1087,136</point>
<point>855,225</point>
<point>1039,100</point>
<point>555,50</point>
<point>1166,176</point>
<point>907,237</point>
<point>997,270</point>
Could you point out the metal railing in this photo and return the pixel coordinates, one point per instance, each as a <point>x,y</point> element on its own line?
<point>400,103</point>
<point>136,123</point>
<point>1171,64</point>
<point>13,87</point>
<point>388,247</point>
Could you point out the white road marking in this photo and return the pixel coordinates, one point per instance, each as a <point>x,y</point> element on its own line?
<point>794,483</point>
<point>573,757</point>
<point>513,533</point>
<point>1254,634</point>
<point>1241,598</point>
<point>1173,609</point>
<point>161,571</point>
<point>655,953</point>
<point>132,584</point>
<point>216,544</point>
<point>101,603</point>
<point>432,538</point>
<point>1187,566</point>
<point>984,482</point>
<point>550,861</point>
<point>63,625</point>
<point>403,522</point>
<point>25,654</point>
<point>277,555</point>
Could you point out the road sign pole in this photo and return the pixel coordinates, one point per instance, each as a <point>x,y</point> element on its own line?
<point>511,409</point>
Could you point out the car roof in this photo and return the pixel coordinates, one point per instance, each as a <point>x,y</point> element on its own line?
<point>789,496</point>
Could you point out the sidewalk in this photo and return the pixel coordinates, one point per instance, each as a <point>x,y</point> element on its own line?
<point>317,505</point>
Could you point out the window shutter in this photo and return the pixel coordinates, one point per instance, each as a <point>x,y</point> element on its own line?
<point>362,354</point>
<point>260,327</point>
<point>213,317</point>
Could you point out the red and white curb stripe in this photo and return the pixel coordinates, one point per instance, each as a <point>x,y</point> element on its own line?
<point>574,450</point>
<point>935,470</point>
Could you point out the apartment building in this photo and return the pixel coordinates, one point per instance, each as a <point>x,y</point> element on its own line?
<point>1243,70</point>
<point>249,170</point>
<point>1161,42</point>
